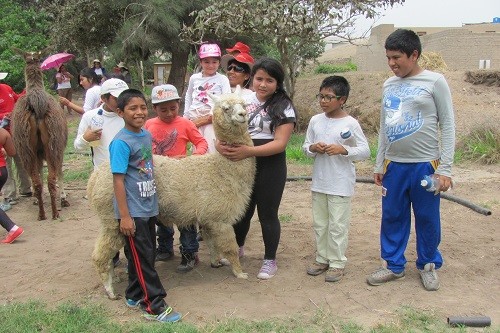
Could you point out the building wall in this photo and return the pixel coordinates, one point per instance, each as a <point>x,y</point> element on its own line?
<point>461,48</point>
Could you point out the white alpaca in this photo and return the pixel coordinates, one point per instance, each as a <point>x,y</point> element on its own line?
<point>208,189</point>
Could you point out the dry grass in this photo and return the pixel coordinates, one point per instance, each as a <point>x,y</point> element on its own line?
<point>432,61</point>
<point>488,78</point>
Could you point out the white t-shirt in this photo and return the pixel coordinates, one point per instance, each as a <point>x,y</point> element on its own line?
<point>92,98</point>
<point>259,122</point>
<point>335,175</point>
<point>197,102</point>
<point>113,123</point>
<point>66,81</point>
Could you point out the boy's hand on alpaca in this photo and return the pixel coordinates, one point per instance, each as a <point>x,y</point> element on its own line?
<point>127,226</point>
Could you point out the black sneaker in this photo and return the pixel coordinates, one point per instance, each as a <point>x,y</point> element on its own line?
<point>164,256</point>
<point>188,261</point>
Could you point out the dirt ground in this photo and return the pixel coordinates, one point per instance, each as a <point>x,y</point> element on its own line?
<point>51,260</point>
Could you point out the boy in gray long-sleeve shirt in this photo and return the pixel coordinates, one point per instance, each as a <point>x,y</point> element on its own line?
<point>417,138</point>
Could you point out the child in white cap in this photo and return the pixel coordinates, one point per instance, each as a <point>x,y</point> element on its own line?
<point>198,106</point>
<point>110,90</point>
<point>171,134</point>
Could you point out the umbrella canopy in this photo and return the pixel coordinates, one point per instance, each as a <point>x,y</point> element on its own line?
<point>56,60</point>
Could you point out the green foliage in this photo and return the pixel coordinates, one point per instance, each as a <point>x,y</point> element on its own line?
<point>373,149</point>
<point>24,28</point>
<point>294,150</point>
<point>77,166</point>
<point>332,69</point>
<point>482,145</point>
<point>297,27</point>
<point>35,316</point>
<point>286,218</point>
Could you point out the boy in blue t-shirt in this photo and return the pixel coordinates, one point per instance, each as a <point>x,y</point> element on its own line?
<point>136,207</point>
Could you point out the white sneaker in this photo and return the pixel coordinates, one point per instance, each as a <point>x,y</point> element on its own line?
<point>268,269</point>
<point>429,277</point>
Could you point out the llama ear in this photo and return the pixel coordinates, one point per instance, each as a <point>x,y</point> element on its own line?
<point>238,90</point>
<point>18,51</point>
<point>45,51</point>
<point>213,97</point>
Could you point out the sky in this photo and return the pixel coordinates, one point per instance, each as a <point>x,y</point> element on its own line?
<point>436,13</point>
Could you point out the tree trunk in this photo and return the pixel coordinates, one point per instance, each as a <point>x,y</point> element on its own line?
<point>287,66</point>
<point>177,76</point>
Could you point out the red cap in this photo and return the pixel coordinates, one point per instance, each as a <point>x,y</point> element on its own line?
<point>244,58</point>
<point>239,46</point>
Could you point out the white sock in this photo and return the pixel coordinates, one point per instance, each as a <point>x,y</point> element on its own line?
<point>14,228</point>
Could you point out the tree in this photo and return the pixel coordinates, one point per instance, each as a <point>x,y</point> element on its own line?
<point>297,26</point>
<point>84,27</point>
<point>153,27</point>
<point>26,29</point>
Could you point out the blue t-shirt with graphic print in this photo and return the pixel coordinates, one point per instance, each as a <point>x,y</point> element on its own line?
<point>131,155</point>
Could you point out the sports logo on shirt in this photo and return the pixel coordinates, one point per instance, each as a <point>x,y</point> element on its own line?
<point>401,119</point>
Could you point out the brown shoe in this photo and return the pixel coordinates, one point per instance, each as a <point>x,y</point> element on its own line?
<point>334,274</point>
<point>317,268</point>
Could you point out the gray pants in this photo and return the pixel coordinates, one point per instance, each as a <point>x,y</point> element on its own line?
<point>10,188</point>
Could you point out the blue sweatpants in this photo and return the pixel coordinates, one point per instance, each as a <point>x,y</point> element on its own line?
<point>401,183</point>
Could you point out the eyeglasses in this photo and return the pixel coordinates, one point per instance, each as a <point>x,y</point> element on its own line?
<point>327,98</point>
<point>235,68</point>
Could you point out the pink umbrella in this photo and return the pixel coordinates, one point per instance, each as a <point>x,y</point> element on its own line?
<point>56,60</point>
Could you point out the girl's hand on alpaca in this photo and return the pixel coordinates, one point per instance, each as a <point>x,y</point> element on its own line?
<point>237,152</point>
<point>127,226</point>
<point>202,121</point>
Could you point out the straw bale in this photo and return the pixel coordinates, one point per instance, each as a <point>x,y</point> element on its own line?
<point>432,61</point>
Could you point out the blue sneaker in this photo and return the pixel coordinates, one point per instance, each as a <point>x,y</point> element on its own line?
<point>167,316</point>
<point>5,206</point>
<point>133,304</point>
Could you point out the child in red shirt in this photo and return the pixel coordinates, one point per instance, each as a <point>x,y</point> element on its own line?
<point>171,134</point>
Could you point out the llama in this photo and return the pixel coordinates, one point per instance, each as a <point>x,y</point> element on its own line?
<point>40,133</point>
<point>208,189</point>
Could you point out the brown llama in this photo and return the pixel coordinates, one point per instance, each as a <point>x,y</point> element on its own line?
<point>40,132</point>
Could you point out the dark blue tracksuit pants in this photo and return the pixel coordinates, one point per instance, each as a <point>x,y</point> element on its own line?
<point>404,192</point>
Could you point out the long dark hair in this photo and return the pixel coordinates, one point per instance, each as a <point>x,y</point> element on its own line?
<point>90,75</point>
<point>279,101</point>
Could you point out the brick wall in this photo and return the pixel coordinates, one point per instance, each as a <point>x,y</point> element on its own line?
<point>461,48</point>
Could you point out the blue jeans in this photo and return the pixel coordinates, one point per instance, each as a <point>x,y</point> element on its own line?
<point>187,238</point>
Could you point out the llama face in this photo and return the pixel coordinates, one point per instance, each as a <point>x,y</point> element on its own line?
<point>232,106</point>
<point>32,57</point>
<point>235,110</point>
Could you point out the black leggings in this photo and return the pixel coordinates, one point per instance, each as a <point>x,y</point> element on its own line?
<point>5,221</point>
<point>266,196</point>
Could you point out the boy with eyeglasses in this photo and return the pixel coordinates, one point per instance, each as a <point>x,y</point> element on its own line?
<point>335,140</point>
